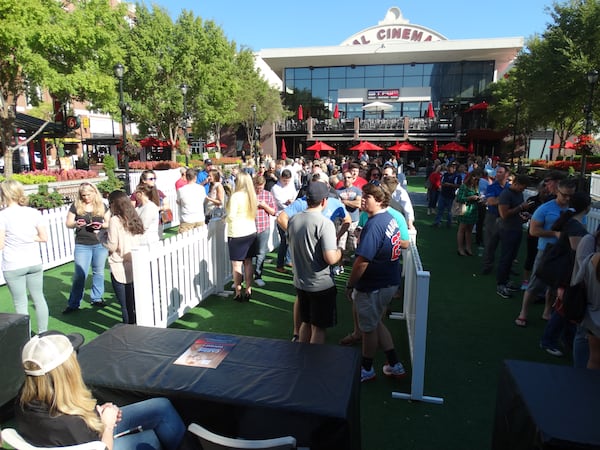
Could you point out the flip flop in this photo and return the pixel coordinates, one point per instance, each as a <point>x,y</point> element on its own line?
<point>521,322</point>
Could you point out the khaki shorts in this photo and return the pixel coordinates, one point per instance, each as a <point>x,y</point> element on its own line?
<point>371,306</point>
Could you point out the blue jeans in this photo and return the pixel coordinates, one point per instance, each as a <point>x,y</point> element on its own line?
<point>125,296</point>
<point>556,326</point>
<point>283,247</point>
<point>262,241</point>
<point>444,203</point>
<point>157,415</point>
<point>19,281</point>
<point>581,348</point>
<point>84,256</point>
<point>510,240</point>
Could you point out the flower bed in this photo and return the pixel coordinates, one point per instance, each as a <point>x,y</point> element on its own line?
<point>564,165</point>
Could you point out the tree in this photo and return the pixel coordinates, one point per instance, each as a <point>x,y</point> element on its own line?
<point>46,47</point>
<point>549,77</point>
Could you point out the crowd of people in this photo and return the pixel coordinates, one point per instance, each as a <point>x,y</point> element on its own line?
<point>493,201</point>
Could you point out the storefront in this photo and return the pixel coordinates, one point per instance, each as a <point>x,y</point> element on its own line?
<point>392,81</point>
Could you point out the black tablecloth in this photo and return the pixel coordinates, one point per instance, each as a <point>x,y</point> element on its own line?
<point>14,333</point>
<point>543,406</point>
<point>264,388</point>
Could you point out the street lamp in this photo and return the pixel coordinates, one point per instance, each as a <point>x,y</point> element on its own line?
<point>592,77</point>
<point>512,155</point>
<point>119,70</point>
<point>184,90</point>
<point>252,149</point>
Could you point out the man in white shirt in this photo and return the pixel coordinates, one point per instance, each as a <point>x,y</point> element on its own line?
<point>400,200</point>
<point>190,199</point>
<point>284,193</point>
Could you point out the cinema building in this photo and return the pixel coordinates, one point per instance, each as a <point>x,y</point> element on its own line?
<point>394,81</point>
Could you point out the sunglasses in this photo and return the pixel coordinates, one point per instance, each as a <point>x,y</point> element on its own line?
<point>150,179</point>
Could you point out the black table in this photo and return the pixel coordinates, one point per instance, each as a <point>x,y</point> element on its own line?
<point>544,406</point>
<point>14,333</point>
<point>264,388</point>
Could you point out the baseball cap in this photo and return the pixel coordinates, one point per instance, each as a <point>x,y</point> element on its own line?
<point>316,191</point>
<point>208,162</point>
<point>554,175</point>
<point>49,350</point>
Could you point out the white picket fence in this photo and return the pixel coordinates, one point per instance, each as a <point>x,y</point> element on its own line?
<point>176,274</point>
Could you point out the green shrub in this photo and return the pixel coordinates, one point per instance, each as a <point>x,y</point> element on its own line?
<point>45,200</point>
<point>112,183</point>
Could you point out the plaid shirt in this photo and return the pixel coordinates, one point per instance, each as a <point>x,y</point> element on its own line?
<point>263,220</point>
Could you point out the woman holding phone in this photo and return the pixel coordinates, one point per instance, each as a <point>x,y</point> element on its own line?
<point>87,216</point>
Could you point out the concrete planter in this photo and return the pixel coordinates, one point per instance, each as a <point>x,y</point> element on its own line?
<point>66,188</point>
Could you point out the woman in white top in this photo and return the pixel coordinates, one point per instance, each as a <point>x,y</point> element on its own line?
<point>241,212</point>
<point>148,212</point>
<point>21,230</point>
<point>124,230</point>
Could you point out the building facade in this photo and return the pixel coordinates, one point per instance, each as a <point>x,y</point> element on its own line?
<point>392,81</point>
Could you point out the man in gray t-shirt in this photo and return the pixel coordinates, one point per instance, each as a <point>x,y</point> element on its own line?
<point>313,247</point>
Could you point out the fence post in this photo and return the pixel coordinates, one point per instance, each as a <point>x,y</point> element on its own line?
<point>144,303</point>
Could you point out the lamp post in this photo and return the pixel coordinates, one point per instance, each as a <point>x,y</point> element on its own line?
<point>119,70</point>
<point>184,89</point>
<point>592,77</point>
<point>512,155</point>
<point>252,149</point>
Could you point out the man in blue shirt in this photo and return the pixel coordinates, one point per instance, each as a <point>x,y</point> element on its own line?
<point>490,227</point>
<point>202,177</point>
<point>450,183</point>
<point>541,226</point>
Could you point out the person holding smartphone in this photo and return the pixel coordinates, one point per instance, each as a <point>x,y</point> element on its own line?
<point>87,216</point>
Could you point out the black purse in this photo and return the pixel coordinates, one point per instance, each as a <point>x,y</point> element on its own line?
<point>556,266</point>
<point>574,301</point>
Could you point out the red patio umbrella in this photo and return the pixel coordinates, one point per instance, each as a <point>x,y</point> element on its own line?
<point>300,113</point>
<point>568,145</point>
<point>151,142</point>
<point>283,150</point>
<point>434,154</point>
<point>404,147</point>
<point>214,144</point>
<point>453,147</point>
<point>336,112</point>
<point>430,112</point>
<point>318,146</point>
<point>366,145</point>
<point>478,107</point>
<point>470,149</point>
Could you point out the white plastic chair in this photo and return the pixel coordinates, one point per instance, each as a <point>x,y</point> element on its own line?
<point>212,441</point>
<point>14,439</point>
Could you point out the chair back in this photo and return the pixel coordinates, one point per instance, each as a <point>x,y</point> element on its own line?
<point>212,441</point>
<point>16,441</point>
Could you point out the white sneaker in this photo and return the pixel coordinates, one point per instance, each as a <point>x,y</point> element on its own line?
<point>259,282</point>
<point>397,370</point>
<point>367,375</point>
<point>337,270</point>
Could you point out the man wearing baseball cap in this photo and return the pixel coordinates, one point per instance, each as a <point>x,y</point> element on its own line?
<point>202,177</point>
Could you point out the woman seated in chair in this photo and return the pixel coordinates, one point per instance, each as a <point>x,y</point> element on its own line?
<point>55,408</point>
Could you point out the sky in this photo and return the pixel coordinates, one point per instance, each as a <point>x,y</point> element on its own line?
<point>265,24</point>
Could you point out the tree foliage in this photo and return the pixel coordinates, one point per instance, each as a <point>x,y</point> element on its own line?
<point>550,74</point>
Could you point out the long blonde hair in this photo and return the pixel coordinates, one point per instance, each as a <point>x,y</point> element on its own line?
<point>11,191</point>
<point>63,391</point>
<point>97,203</point>
<point>244,185</point>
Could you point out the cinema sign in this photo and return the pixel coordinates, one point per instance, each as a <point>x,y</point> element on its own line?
<point>393,33</point>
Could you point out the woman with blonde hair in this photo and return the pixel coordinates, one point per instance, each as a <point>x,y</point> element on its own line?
<point>124,231</point>
<point>21,231</point>
<point>87,216</point>
<point>55,408</point>
<point>241,212</point>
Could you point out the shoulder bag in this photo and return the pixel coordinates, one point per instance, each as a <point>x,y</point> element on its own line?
<point>556,266</point>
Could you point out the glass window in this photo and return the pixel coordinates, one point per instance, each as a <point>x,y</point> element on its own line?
<point>289,75</point>
<point>320,89</point>
<point>337,83</point>
<point>413,81</point>
<point>355,83</point>
<point>392,82</point>
<point>337,72</point>
<point>356,72</point>
<point>413,69</point>
<point>303,73</point>
<point>320,72</point>
<point>374,71</point>
<point>427,69</point>
<point>300,85</point>
<point>374,83</point>
<point>394,70</point>
<point>411,109</point>
<point>354,110</point>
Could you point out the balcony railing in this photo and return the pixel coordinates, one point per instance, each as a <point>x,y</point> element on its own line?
<point>396,124</point>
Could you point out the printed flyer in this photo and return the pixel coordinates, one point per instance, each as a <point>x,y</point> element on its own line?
<point>207,351</point>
